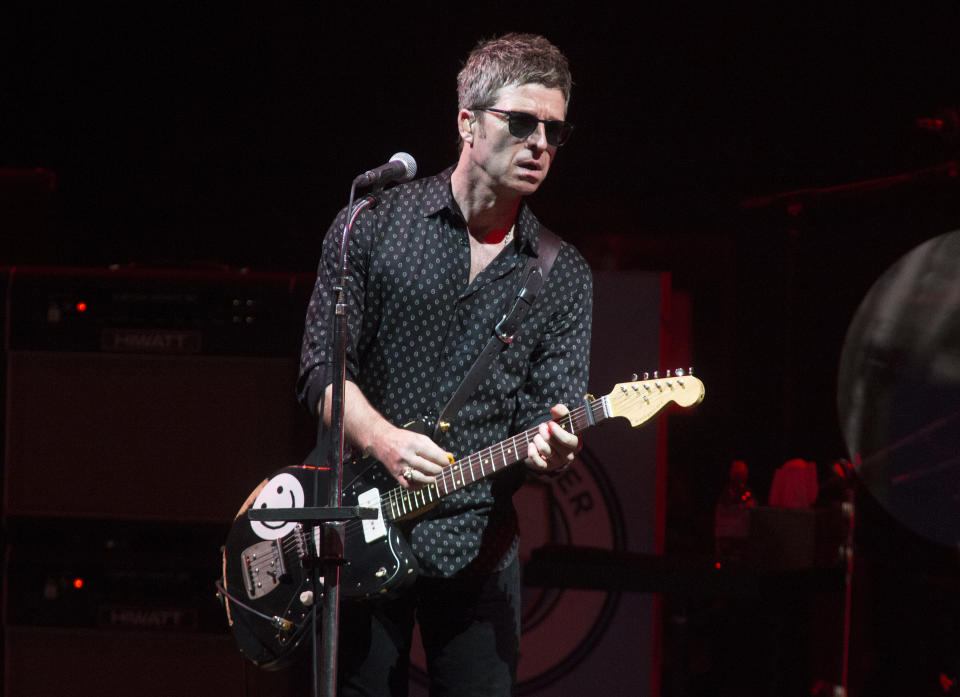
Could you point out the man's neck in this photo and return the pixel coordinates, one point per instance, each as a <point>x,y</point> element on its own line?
<point>489,214</point>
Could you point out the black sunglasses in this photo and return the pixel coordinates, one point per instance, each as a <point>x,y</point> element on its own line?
<point>522,124</point>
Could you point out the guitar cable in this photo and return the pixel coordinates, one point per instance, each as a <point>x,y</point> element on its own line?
<point>280,623</point>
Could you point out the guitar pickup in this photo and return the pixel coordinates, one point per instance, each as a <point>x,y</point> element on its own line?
<point>263,567</point>
<point>374,528</point>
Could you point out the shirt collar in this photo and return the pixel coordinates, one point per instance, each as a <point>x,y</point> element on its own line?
<point>439,192</point>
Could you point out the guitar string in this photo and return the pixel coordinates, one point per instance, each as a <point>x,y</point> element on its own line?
<point>455,477</point>
<point>353,527</point>
<point>399,500</point>
<point>392,498</point>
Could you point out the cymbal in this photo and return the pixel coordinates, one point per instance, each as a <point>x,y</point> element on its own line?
<point>898,394</point>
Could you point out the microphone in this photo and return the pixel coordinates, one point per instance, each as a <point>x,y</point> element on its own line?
<point>401,168</point>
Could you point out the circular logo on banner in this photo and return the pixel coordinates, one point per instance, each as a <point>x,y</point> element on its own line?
<point>560,626</point>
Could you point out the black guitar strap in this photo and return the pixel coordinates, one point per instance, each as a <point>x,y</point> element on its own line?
<point>534,276</point>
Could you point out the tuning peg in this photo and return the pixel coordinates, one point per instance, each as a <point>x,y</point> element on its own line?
<point>646,376</point>
<point>656,374</point>
<point>633,377</point>
<point>679,372</point>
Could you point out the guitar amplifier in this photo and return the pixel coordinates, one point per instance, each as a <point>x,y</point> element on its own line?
<point>149,395</point>
<point>140,408</point>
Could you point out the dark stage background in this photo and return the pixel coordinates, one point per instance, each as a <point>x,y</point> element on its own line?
<point>170,135</point>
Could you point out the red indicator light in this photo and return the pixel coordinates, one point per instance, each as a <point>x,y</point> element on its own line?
<point>78,583</point>
<point>81,307</point>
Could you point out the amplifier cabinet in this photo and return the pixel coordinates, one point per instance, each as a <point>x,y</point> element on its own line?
<point>149,395</point>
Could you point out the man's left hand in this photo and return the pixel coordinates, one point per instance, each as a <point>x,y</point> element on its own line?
<point>553,448</point>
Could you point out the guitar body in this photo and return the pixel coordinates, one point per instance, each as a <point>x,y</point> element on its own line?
<point>268,566</point>
<point>263,568</point>
<point>267,584</point>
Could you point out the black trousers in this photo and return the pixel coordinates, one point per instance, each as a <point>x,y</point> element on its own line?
<point>470,628</point>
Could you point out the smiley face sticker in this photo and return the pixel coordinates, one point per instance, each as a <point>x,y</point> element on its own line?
<point>282,491</point>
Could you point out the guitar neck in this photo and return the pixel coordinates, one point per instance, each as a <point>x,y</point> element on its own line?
<point>401,503</point>
<point>637,401</point>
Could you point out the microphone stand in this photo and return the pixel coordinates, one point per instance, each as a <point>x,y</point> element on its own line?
<point>331,517</point>
<point>332,539</point>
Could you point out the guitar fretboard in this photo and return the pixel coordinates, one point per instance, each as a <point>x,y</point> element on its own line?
<point>402,503</point>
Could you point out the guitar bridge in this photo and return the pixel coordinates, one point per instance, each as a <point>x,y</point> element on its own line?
<point>263,567</point>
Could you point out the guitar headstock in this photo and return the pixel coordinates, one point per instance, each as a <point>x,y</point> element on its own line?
<point>640,400</point>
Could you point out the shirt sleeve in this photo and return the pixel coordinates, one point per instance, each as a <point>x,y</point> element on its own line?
<point>316,366</point>
<point>560,363</point>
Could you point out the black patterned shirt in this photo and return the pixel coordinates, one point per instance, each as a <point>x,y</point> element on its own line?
<point>416,325</point>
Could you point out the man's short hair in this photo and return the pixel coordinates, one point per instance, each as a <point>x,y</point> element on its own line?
<point>512,59</point>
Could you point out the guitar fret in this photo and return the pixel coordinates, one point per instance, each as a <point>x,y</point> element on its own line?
<point>388,500</point>
<point>394,510</point>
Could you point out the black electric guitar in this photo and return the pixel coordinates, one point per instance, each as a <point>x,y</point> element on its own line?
<point>266,584</point>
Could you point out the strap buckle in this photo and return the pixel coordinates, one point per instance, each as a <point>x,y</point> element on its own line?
<point>500,331</point>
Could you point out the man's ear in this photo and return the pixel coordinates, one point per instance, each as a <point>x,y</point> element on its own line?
<point>466,120</point>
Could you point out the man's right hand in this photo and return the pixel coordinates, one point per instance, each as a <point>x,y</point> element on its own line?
<point>412,458</point>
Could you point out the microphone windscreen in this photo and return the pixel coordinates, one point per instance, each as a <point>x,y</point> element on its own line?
<point>409,164</point>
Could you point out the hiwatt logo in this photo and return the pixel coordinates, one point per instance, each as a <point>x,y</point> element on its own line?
<point>560,626</point>
<point>147,618</point>
<point>150,341</point>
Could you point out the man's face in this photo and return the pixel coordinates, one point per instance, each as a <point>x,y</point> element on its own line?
<point>511,164</point>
